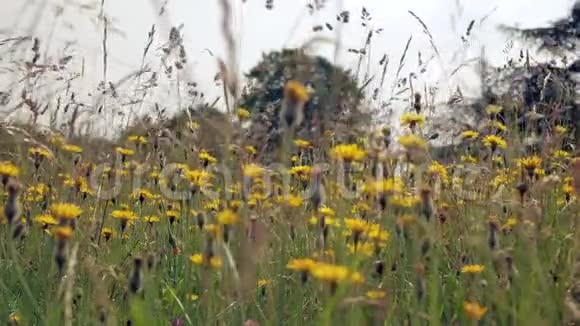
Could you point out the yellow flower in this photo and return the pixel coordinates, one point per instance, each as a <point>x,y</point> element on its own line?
<point>493,109</point>
<point>474,310</point>
<point>72,148</point>
<point>262,283</point>
<point>8,169</point>
<point>45,220</point>
<point>227,217</point>
<point>356,225</point>
<point>348,152</point>
<point>472,269</point>
<point>199,178</point>
<point>151,219</point>
<point>293,200</point>
<point>301,265</point>
<point>468,159</point>
<point>376,233</point>
<point>301,171</point>
<point>510,223</point>
<point>65,211</point>
<point>193,297</point>
<point>206,158</point>
<point>438,169</point>
<point>412,142</point>
<point>40,152</point>
<point>302,144</point>
<point>497,125</point>
<point>561,130</point>
<point>243,113</point>
<point>137,139</point>
<point>560,154</point>
<point>296,91</point>
<point>125,151</point>
<point>253,170</point>
<point>363,248</point>
<point>251,150</point>
<point>63,232</point>
<point>383,186</point>
<point>494,141</point>
<point>335,274</point>
<point>326,211</point>
<point>405,201</point>
<point>530,163</point>
<point>107,233</point>
<point>470,134</point>
<point>124,215</point>
<point>412,119</point>
<point>376,294</point>
<point>214,262</point>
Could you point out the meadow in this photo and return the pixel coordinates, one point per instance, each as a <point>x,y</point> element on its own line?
<point>194,223</point>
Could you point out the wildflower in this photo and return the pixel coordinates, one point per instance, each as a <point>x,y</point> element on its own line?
<point>348,152</point>
<point>356,225</point>
<point>562,155</point>
<point>376,294</point>
<point>383,186</point>
<point>301,171</point>
<point>125,151</point>
<point>302,144</point>
<point>40,153</point>
<point>412,119</point>
<point>206,158</point>
<point>293,200</point>
<point>65,211</point>
<point>63,232</point>
<point>227,217</point>
<point>405,201</point>
<point>46,220</point>
<point>251,150</point>
<point>470,134</point>
<point>142,195</point>
<point>326,211</point>
<point>472,269</point>
<point>107,233</point>
<point>412,142</point>
<point>437,169</point>
<point>70,148</point>
<point>151,219</point>
<point>198,178</point>
<point>295,96</point>
<point>493,109</point>
<point>494,142</point>
<point>193,297</point>
<point>301,265</point>
<point>498,125</point>
<point>140,140</point>
<point>510,224</point>
<point>468,159</point>
<point>474,310</point>
<point>335,274</point>
<point>242,113</point>
<point>363,248</point>
<point>214,262</point>
<point>530,163</point>
<point>263,283</point>
<point>173,215</point>
<point>8,170</point>
<point>561,130</point>
<point>253,171</point>
<point>125,216</point>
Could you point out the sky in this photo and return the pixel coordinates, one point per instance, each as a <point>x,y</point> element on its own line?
<point>288,24</point>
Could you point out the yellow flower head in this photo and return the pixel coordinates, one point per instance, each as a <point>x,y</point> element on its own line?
<point>124,215</point>
<point>348,152</point>
<point>302,144</point>
<point>8,169</point>
<point>227,217</point>
<point>151,219</point>
<point>137,139</point>
<point>70,148</point>
<point>199,259</point>
<point>474,310</point>
<point>561,130</point>
<point>253,170</point>
<point>107,233</point>
<point>65,211</point>
<point>335,274</point>
<point>242,113</point>
<point>125,151</point>
<point>206,158</point>
<point>470,134</point>
<point>412,142</point>
<point>40,152</point>
<point>493,109</point>
<point>199,178</point>
<point>412,119</point>
<point>301,265</point>
<point>472,269</point>
<point>530,163</point>
<point>45,220</point>
<point>63,232</point>
<point>376,294</point>
<point>383,186</point>
<point>301,171</point>
<point>356,225</point>
<point>296,91</point>
<point>438,169</point>
<point>494,141</point>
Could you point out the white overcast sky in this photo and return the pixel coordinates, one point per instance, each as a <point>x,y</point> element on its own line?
<point>288,24</point>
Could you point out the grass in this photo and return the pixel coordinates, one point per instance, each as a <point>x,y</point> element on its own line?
<point>183,224</point>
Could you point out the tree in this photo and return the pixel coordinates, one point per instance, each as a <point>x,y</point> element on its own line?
<point>335,103</point>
